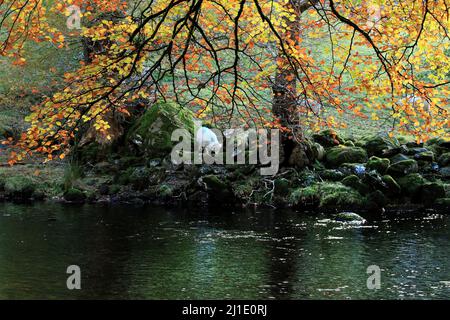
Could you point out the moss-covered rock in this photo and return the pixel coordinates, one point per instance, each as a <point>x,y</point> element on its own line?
<point>392,187</point>
<point>354,182</point>
<point>438,145</point>
<point>151,134</point>
<point>376,145</point>
<point>349,217</point>
<point>399,157</point>
<point>218,189</point>
<point>326,194</point>
<point>432,191</point>
<point>376,200</point>
<point>445,172</point>
<point>403,168</point>
<point>328,138</point>
<point>411,184</point>
<point>19,187</point>
<point>337,156</point>
<point>444,160</point>
<point>332,175</point>
<point>379,164</point>
<point>427,156</point>
<point>75,195</point>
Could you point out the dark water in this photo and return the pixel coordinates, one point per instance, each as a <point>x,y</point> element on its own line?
<point>168,254</point>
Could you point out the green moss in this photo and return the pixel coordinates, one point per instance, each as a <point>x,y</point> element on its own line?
<point>333,175</point>
<point>411,184</point>
<point>377,144</point>
<point>354,182</point>
<point>444,159</point>
<point>392,187</point>
<point>432,191</point>
<point>378,164</point>
<point>19,186</point>
<point>74,195</point>
<point>336,156</point>
<point>404,167</point>
<point>153,131</point>
<point>326,194</point>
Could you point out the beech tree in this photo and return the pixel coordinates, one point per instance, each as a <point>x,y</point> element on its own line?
<point>239,62</point>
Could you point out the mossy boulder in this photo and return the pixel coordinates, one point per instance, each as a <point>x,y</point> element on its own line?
<point>403,168</point>
<point>328,138</point>
<point>151,134</point>
<point>445,172</point>
<point>19,187</point>
<point>75,195</point>
<point>332,175</point>
<point>379,164</point>
<point>444,160</point>
<point>392,187</point>
<point>349,217</point>
<point>217,188</point>
<point>376,145</point>
<point>411,184</point>
<point>399,157</point>
<point>438,145</point>
<point>325,194</point>
<point>337,156</point>
<point>426,156</point>
<point>376,200</point>
<point>431,191</point>
<point>354,182</point>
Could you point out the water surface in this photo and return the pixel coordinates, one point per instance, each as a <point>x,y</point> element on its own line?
<point>154,253</point>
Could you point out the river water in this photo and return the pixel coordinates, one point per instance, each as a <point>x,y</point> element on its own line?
<point>154,253</point>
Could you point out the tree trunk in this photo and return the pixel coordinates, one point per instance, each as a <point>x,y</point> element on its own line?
<point>285,86</point>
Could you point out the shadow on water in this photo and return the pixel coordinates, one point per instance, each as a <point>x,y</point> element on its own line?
<point>155,253</point>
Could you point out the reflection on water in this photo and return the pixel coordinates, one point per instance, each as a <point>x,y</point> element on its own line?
<point>127,252</point>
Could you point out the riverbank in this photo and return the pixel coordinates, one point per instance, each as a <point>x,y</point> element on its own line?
<point>376,173</point>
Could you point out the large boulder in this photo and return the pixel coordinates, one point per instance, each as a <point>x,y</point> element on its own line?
<point>21,187</point>
<point>326,194</point>
<point>151,134</point>
<point>217,188</point>
<point>444,159</point>
<point>438,145</point>
<point>337,156</point>
<point>411,184</point>
<point>392,187</point>
<point>376,145</point>
<point>378,164</point>
<point>355,183</point>
<point>432,191</point>
<point>445,172</point>
<point>403,168</point>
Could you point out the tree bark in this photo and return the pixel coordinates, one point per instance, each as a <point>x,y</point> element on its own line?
<point>285,86</point>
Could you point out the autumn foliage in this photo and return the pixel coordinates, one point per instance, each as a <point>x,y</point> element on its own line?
<point>385,61</point>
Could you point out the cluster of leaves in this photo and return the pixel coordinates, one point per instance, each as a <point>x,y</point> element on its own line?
<point>386,59</point>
